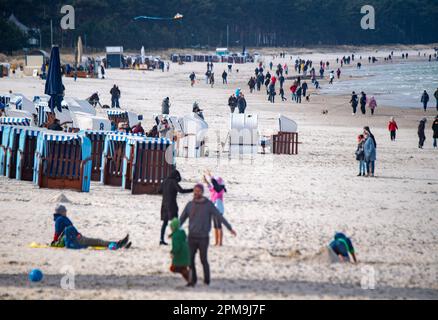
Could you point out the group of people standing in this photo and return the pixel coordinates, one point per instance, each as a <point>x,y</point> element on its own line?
<point>366,153</point>
<point>362,101</point>
<point>237,100</point>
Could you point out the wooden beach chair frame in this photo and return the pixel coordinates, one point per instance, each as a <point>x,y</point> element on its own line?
<point>27,147</point>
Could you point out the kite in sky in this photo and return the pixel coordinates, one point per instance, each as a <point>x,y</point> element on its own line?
<point>178,16</point>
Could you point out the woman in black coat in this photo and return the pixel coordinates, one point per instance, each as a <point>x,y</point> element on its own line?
<point>169,206</point>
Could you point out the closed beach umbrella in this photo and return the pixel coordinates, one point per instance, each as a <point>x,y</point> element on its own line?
<point>54,87</point>
<point>80,51</point>
<point>142,55</point>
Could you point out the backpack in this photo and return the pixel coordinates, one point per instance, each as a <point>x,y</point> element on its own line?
<point>71,238</point>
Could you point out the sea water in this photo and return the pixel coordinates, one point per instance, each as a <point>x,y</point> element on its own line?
<point>392,84</point>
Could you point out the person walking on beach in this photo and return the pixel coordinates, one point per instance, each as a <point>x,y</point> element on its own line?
<point>332,77</point>
<point>115,97</point>
<point>372,105</point>
<point>436,98</point>
<point>241,103</point>
<point>360,155</point>
<point>102,71</point>
<point>369,154</point>
<point>435,132</point>
<point>392,127</point>
<point>165,106</point>
<point>180,251</point>
<point>293,90</point>
<point>216,186</point>
<point>338,73</point>
<point>354,102</point>
<point>251,84</point>
<point>363,102</point>
<point>425,100</point>
<point>421,134</point>
<point>200,212</point>
<point>271,93</point>
<point>283,98</point>
<point>212,79</point>
<point>232,102</point>
<point>169,206</point>
<point>224,77</point>
<point>192,78</point>
<point>305,87</point>
<point>299,94</point>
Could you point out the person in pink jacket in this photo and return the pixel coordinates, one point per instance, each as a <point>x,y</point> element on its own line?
<point>372,105</point>
<point>217,190</point>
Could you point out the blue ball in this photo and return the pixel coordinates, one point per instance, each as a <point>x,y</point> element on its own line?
<point>112,246</point>
<point>36,275</point>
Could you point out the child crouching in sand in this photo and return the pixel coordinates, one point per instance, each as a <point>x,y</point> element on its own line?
<point>217,189</point>
<point>180,250</point>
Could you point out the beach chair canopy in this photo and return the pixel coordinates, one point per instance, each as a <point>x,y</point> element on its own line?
<point>14,113</point>
<point>75,105</point>
<point>20,102</point>
<point>132,117</point>
<point>244,129</point>
<point>287,125</point>
<point>85,121</point>
<point>15,121</point>
<point>193,124</point>
<point>44,110</point>
<point>241,121</point>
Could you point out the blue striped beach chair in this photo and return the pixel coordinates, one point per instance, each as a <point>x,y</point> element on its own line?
<point>63,161</point>
<point>136,163</point>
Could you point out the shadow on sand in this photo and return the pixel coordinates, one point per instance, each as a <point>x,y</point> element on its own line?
<point>238,286</point>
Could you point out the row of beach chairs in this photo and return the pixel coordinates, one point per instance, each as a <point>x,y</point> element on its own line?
<point>72,160</point>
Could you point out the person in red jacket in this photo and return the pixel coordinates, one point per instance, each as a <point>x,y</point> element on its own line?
<point>293,90</point>
<point>392,127</point>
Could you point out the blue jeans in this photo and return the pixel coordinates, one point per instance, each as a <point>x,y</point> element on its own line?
<point>362,167</point>
<point>370,167</point>
<point>115,103</point>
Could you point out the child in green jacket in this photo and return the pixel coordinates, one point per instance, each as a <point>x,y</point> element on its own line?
<point>180,251</point>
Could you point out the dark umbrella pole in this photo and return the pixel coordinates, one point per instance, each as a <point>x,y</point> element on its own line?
<point>54,87</point>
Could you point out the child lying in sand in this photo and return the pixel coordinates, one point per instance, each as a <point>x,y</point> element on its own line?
<point>180,250</point>
<point>67,236</point>
<point>341,248</point>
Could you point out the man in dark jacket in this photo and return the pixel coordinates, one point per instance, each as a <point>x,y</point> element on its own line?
<point>115,96</point>
<point>200,212</point>
<point>421,134</point>
<point>425,99</point>
<point>435,132</point>
<point>169,206</point>
<point>232,102</point>
<point>363,102</point>
<point>241,103</point>
<point>354,102</point>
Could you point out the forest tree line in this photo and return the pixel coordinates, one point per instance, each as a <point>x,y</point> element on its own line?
<point>252,23</point>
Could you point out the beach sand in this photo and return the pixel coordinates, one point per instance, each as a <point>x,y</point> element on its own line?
<point>285,209</point>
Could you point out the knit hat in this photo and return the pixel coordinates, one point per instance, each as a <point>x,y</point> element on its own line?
<point>60,209</point>
<point>199,186</point>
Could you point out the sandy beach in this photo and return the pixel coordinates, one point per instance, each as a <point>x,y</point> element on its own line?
<point>285,209</point>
